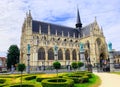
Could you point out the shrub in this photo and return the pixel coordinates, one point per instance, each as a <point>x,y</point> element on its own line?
<point>2,81</point>
<point>58,82</point>
<point>56,65</point>
<point>80,64</point>
<point>30,77</point>
<point>74,65</point>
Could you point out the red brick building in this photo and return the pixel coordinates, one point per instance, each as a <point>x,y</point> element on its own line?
<point>2,63</point>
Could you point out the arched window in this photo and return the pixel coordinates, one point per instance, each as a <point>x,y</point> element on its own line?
<point>60,54</point>
<point>67,54</point>
<point>50,54</point>
<point>98,40</point>
<point>74,55</point>
<point>41,54</point>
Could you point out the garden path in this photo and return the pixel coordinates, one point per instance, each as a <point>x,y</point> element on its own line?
<point>109,80</point>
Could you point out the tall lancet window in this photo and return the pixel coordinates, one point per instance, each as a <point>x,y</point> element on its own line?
<point>60,54</point>
<point>74,57</point>
<point>41,54</point>
<point>50,54</point>
<point>67,54</point>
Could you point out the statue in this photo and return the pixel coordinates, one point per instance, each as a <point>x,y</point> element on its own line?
<point>109,46</point>
<point>81,45</point>
<point>28,48</point>
<point>55,48</point>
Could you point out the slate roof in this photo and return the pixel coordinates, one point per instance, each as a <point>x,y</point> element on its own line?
<point>53,28</point>
<point>86,29</point>
<point>59,29</point>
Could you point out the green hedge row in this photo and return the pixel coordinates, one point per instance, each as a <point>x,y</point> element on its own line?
<point>57,82</point>
<point>24,85</point>
<point>39,79</point>
<point>30,77</point>
<point>2,81</point>
<point>79,77</point>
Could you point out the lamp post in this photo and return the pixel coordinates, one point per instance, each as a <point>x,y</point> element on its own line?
<point>28,60</point>
<point>111,61</point>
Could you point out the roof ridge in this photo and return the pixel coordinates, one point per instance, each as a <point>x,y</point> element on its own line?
<point>55,24</point>
<point>88,25</point>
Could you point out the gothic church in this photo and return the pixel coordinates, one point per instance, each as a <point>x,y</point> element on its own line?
<point>43,36</point>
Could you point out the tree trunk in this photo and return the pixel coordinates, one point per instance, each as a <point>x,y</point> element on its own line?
<point>21,80</point>
<point>57,73</point>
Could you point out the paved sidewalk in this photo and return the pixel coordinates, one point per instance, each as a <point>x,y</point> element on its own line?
<point>109,80</point>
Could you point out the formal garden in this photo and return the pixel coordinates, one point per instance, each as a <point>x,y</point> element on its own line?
<point>76,78</point>
<point>72,79</point>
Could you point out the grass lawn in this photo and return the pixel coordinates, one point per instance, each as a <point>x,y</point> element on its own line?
<point>118,73</point>
<point>94,82</point>
<point>15,79</point>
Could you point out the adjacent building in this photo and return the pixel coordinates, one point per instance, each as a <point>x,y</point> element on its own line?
<point>2,63</point>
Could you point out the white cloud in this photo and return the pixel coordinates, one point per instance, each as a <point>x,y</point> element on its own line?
<point>12,13</point>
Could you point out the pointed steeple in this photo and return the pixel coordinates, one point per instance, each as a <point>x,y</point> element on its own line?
<point>101,30</point>
<point>95,21</point>
<point>29,14</point>
<point>78,22</point>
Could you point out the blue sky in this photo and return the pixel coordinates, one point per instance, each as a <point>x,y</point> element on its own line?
<point>63,12</point>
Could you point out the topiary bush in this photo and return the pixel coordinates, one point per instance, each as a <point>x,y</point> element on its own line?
<point>80,64</point>
<point>57,82</point>
<point>30,77</point>
<point>2,81</point>
<point>74,65</point>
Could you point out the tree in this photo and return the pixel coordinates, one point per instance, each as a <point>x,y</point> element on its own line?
<point>80,64</point>
<point>57,66</point>
<point>13,56</point>
<point>74,65</point>
<point>21,68</point>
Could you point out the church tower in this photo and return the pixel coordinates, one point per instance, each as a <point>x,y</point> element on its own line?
<point>78,23</point>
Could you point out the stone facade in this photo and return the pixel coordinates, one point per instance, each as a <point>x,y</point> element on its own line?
<point>42,38</point>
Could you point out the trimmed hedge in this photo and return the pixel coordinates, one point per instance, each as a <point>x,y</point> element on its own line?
<point>57,82</point>
<point>24,85</point>
<point>30,77</point>
<point>90,75</point>
<point>39,79</point>
<point>2,81</point>
<point>79,77</point>
<point>85,79</point>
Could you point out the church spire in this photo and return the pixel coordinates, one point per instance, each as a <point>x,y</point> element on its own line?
<point>78,22</point>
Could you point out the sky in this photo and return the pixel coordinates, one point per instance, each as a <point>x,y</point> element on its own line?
<point>62,12</point>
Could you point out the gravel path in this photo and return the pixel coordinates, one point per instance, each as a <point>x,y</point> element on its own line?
<point>109,80</point>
